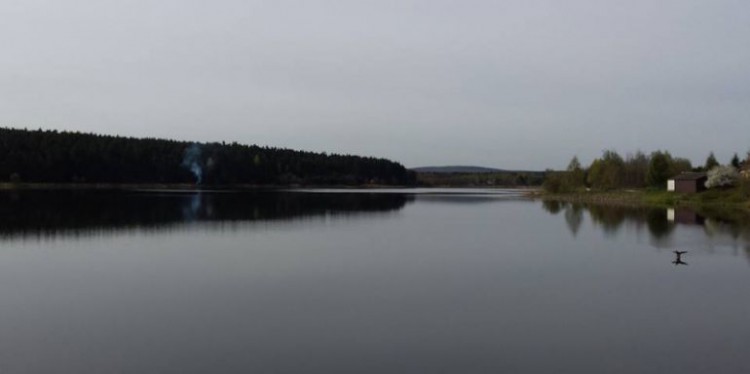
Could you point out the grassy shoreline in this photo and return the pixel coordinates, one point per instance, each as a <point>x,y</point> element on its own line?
<point>734,198</point>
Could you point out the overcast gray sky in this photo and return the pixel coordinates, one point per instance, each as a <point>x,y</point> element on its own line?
<point>514,84</point>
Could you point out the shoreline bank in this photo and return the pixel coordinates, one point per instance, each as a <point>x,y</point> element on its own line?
<point>730,199</point>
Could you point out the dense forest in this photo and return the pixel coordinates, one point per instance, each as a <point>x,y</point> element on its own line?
<point>42,156</point>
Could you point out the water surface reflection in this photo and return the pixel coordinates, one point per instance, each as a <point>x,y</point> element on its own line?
<point>53,213</point>
<point>706,231</point>
<point>366,282</point>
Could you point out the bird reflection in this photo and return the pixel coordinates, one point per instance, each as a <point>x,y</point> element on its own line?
<point>678,260</point>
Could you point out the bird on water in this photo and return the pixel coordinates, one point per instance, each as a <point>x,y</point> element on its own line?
<point>678,260</point>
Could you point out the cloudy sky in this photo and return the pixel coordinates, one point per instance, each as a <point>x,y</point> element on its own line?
<point>520,84</point>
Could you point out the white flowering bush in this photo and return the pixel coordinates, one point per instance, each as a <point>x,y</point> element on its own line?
<point>722,176</point>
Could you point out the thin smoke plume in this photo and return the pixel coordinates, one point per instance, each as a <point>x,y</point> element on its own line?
<point>191,161</point>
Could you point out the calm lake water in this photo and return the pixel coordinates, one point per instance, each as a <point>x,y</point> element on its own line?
<point>390,282</point>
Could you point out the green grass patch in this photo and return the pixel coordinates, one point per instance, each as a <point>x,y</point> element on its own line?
<point>735,197</point>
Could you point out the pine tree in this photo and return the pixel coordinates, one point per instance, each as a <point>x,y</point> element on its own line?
<point>735,161</point>
<point>711,162</point>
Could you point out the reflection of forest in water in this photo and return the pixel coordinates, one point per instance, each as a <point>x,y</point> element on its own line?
<point>718,228</point>
<point>47,213</point>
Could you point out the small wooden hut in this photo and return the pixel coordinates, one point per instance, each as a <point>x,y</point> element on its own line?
<point>687,183</point>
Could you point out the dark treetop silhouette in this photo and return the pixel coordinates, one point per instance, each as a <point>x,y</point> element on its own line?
<point>70,157</point>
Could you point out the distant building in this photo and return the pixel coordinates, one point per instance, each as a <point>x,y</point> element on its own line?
<point>687,183</point>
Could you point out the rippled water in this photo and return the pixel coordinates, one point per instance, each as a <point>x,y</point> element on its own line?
<point>417,281</point>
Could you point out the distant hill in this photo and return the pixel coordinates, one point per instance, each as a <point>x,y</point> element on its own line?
<point>476,176</point>
<point>457,169</point>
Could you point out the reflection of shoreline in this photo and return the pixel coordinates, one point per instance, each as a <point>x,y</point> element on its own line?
<point>705,234</point>
<point>467,199</point>
<point>52,213</point>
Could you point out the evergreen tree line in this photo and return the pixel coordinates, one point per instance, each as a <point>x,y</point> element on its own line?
<point>636,170</point>
<point>43,156</point>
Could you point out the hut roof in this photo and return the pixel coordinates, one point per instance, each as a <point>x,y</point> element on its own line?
<point>689,176</point>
